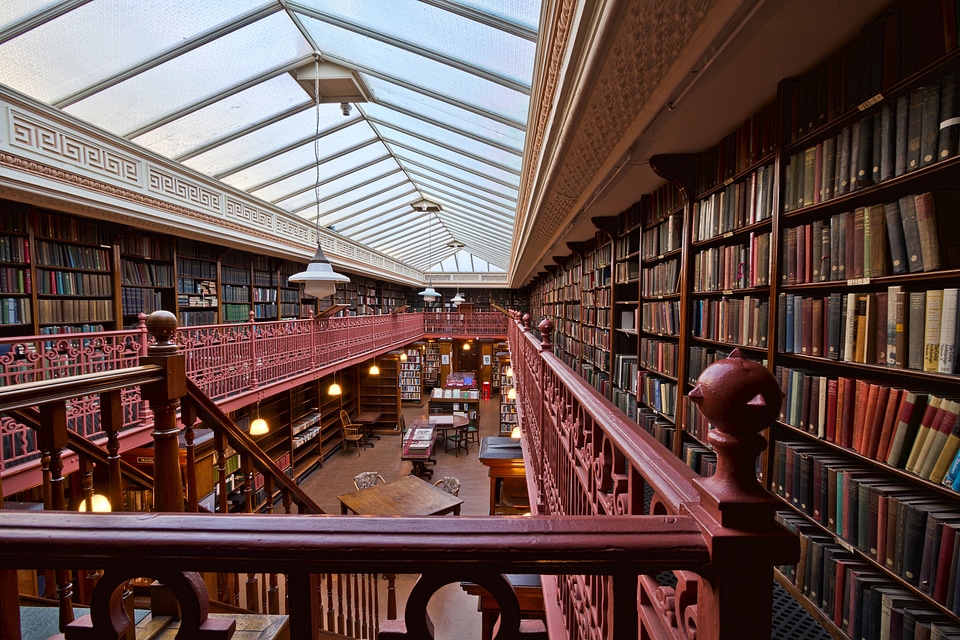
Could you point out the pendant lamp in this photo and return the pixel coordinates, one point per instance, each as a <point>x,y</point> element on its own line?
<point>320,280</point>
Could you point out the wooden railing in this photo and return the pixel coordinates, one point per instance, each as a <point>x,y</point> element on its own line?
<point>597,548</point>
<point>585,459</point>
<point>225,361</point>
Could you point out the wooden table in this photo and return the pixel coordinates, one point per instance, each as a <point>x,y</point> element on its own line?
<point>408,496</point>
<point>441,423</point>
<point>368,419</point>
<point>529,594</point>
<point>420,456</point>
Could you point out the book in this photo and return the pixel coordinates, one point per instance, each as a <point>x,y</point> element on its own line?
<point>937,439</point>
<point>911,408</point>
<point>930,124</point>
<point>947,351</point>
<point>914,129</point>
<point>927,421</point>
<point>948,453</point>
<point>916,316</point>
<point>947,143</point>
<point>911,233</point>
<point>931,330</point>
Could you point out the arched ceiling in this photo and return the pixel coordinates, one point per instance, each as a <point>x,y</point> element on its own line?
<point>435,98</point>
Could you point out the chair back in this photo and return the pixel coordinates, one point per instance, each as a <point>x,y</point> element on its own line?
<point>449,484</point>
<point>345,418</point>
<point>367,479</point>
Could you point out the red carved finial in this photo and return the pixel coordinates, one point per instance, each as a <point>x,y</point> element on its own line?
<point>546,328</point>
<point>740,398</point>
<point>526,321</point>
<point>162,325</point>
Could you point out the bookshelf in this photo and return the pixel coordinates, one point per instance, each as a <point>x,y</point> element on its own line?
<point>16,276</point>
<point>381,393</point>
<point>73,265</point>
<point>198,299</point>
<point>431,365</point>
<point>508,405</point>
<point>147,280</point>
<point>266,289</point>
<point>235,289</point>
<point>805,237</point>
<point>411,383</point>
<point>291,298</point>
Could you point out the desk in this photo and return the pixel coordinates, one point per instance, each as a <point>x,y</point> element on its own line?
<point>529,594</point>
<point>470,406</point>
<point>508,482</point>
<point>408,496</point>
<point>423,431</point>
<point>368,419</point>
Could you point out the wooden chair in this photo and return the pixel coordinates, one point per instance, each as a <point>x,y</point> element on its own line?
<point>350,432</point>
<point>367,479</point>
<point>449,484</point>
<point>456,441</point>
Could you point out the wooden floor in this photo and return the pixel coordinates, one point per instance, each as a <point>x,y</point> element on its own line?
<point>453,612</point>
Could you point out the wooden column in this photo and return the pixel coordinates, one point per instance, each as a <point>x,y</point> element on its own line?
<point>164,398</point>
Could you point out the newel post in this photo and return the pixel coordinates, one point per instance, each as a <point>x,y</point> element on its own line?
<point>740,398</point>
<point>164,398</point>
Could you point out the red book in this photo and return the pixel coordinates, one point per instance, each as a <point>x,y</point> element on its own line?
<point>875,417</point>
<point>847,412</point>
<point>906,428</point>
<point>808,250</point>
<point>832,399</point>
<point>889,424</point>
<point>806,326</point>
<point>941,583</point>
<point>802,253</point>
<point>860,415</point>
<point>816,330</point>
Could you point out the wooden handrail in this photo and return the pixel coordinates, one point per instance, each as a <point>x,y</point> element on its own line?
<point>28,394</point>
<point>215,418</point>
<point>79,444</point>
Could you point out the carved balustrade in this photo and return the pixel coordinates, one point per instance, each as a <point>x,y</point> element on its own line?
<point>223,360</point>
<point>474,325</point>
<point>584,458</point>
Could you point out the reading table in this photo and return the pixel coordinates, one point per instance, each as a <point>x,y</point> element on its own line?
<point>408,496</point>
<point>417,447</point>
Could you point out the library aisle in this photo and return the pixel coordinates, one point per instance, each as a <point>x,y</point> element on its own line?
<point>454,612</point>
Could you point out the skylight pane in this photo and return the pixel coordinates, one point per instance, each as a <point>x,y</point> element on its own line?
<point>418,71</point>
<point>383,190</point>
<point>449,34</point>
<point>228,116</point>
<point>14,10</point>
<point>391,95</point>
<point>443,160</point>
<point>522,12</point>
<point>395,198</point>
<point>351,180</point>
<point>306,179</point>
<point>493,200</point>
<point>301,157</point>
<point>492,160</point>
<point>426,130</point>
<point>99,39</point>
<point>269,139</point>
<point>414,161</point>
<point>196,75</point>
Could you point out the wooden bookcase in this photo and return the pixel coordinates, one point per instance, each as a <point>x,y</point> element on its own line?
<point>73,264</point>
<point>411,381</point>
<point>198,289</point>
<point>791,251</point>
<point>266,288</point>
<point>16,275</point>
<point>147,274</point>
<point>381,393</point>
<point>235,286</point>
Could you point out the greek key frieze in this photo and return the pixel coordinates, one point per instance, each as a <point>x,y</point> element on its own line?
<point>184,190</point>
<point>40,138</point>
<point>253,215</point>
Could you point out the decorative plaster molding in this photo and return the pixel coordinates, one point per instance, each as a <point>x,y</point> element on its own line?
<point>46,144</point>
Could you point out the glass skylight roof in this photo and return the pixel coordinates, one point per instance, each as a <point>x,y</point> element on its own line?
<point>213,84</point>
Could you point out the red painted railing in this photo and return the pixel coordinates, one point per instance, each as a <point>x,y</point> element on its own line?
<point>223,360</point>
<point>585,459</point>
<point>596,546</point>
